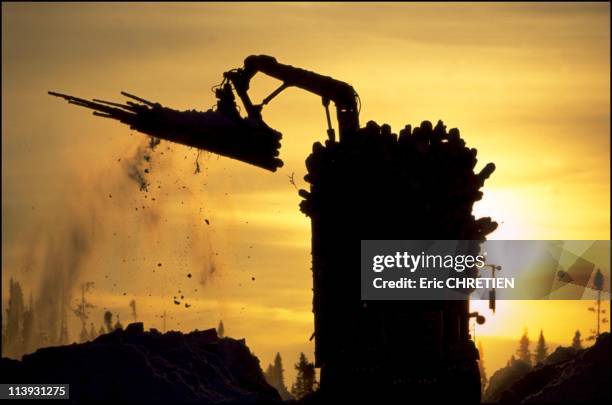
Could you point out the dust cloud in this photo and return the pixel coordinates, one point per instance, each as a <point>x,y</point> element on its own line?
<point>100,218</point>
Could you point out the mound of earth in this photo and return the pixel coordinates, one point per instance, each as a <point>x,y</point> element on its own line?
<point>581,376</point>
<point>504,378</point>
<point>134,366</point>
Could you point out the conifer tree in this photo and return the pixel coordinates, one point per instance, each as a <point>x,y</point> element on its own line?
<point>523,351</point>
<point>82,311</point>
<point>118,325</point>
<point>269,374</point>
<point>134,313</point>
<point>577,341</point>
<point>541,349</point>
<point>221,330</point>
<point>14,320</point>
<point>92,332</point>
<point>305,381</point>
<point>275,377</point>
<point>27,331</point>
<point>3,342</point>
<point>108,321</point>
<point>63,338</point>
<point>84,335</point>
<point>278,366</point>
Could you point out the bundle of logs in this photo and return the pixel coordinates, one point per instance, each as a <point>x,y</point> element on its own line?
<point>221,130</point>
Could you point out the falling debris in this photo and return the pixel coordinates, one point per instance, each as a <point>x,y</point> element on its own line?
<point>197,162</point>
<point>189,275</point>
<point>207,222</point>
<point>292,180</point>
<point>140,164</point>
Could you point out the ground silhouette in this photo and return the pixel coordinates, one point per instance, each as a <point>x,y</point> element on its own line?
<point>567,375</point>
<point>134,366</point>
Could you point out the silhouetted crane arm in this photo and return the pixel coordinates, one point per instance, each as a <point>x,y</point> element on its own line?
<point>222,130</point>
<point>342,94</point>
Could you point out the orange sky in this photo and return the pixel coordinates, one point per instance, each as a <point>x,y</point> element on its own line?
<point>526,83</point>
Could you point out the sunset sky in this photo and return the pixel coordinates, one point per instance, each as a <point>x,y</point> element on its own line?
<point>526,83</point>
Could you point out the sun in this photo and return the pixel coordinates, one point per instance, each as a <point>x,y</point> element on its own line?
<point>507,208</point>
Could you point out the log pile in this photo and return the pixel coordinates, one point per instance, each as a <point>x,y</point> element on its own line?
<point>424,178</point>
<point>376,184</point>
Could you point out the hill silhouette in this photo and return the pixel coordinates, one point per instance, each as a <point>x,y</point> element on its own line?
<point>134,366</point>
<point>566,376</point>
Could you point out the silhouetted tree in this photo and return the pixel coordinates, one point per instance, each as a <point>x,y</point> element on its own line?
<point>278,366</point>
<point>108,321</point>
<point>541,351</point>
<point>84,335</point>
<point>481,367</point>
<point>63,338</point>
<point>133,306</point>
<point>275,377</point>
<point>3,342</point>
<point>14,320</point>
<point>305,381</point>
<point>92,332</point>
<point>269,374</point>
<point>82,311</point>
<point>118,325</point>
<point>523,351</point>
<point>46,323</point>
<point>598,284</point>
<point>221,330</point>
<point>577,341</point>
<point>27,331</point>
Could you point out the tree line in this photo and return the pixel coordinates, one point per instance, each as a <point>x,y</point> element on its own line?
<point>305,381</point>
<point>24,331</point>
<point>525,354</point>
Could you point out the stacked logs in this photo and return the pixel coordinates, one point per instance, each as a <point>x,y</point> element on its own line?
<point>424,178</point>
<point>376,184</point>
